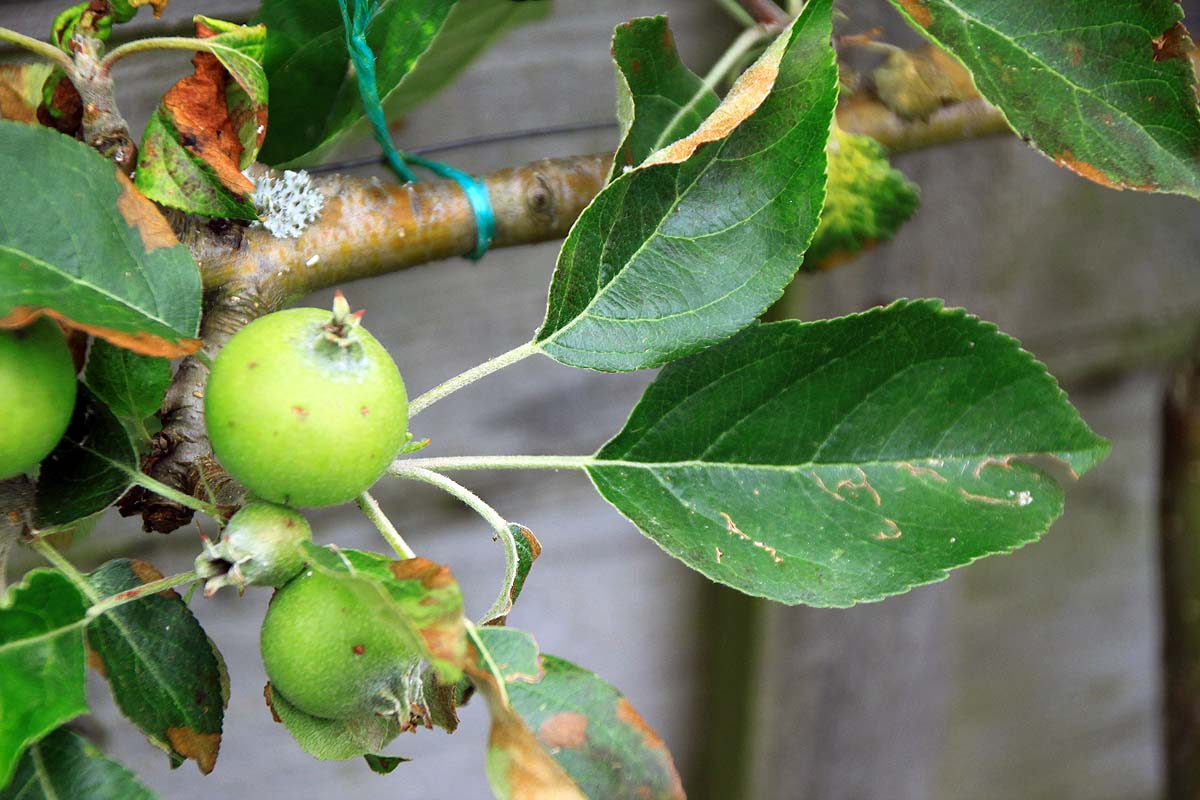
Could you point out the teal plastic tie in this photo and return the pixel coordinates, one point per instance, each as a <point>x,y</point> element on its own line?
<point>363,59</point>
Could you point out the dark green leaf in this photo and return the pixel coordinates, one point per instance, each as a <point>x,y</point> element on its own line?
<point>420,596</point>
<point>521,549</point>
<point>209,126</point>
<point>89,468</point>
<point>659,100</point>
<point>131,385</point>
<point>695,243</point>
<point>1105,88</point>
<point>586,725</point>
<point>314,93</point>
<point>65,766</point>
<point>41,662</point>
<point>866,200</point>
<point>160,664</point>
<point>835,462</point>
<point>77,239</point>
<point>471,27</point>
<point>336,739</point>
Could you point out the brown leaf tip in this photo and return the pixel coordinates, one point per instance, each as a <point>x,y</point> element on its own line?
<point>535,547</point>
<point>139,213</point>
<point>1174,42</point>
<point>630,716</point>
<point>200,747</point>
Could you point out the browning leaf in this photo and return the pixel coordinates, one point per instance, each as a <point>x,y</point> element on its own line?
<point>21,91</point>
<point>208,127</point>
<point>198,108</point>
<point>141,342</point>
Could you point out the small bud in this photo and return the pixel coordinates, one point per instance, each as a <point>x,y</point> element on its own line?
<point>342,324</point>
<point>261,546</point>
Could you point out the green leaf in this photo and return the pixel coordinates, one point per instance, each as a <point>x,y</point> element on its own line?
<point>131,385</point>
<point>866,201</point>
<point>688,248</point>
<point>335,739</point>
<point>209,127</point>
<point>835,462</point>
<point>659,100</point>
<point>1105,88</point>
<point>472,27</point>
<point>518,766</point>
<point>420,596</point>
<point>521,549</point>
<point>588,727</point>
<point>77,240</point>
<point>384,765</point>
<point>41,662</point>
<point>89,468</point>
<point>164,674</point>
<point>314,93</point>
<point>65,765</point>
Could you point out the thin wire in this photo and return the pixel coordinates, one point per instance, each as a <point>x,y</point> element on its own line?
<point>469,142</point>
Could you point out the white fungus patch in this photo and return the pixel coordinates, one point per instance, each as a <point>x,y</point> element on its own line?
<point>287,203</point>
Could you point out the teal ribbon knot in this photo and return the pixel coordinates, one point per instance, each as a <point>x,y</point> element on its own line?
<point>363,59</point>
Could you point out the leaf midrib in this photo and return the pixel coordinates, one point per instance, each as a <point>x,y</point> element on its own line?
<point>124,303</point>
<point>114,619</point>
<point>44,636</point>
<point>598,462</point>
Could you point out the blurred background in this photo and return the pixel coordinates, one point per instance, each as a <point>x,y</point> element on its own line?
<point>1035,675</point>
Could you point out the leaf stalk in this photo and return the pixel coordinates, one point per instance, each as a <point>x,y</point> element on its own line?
<point>38,47</point>
<point>470,376</point>
<point>370,507</point>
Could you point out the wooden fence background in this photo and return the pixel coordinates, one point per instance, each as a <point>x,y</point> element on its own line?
<point>1029,676</point>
